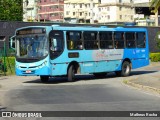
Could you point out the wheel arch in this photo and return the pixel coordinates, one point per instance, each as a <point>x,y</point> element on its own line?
<point>128,60</point>
<point>76,66</point>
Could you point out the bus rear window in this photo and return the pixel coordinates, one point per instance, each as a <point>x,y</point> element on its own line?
<point>141,40</point>
<point>130,40</point>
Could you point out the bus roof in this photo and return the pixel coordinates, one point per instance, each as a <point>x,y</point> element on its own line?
<point>100,28</point>
<point>90,28</point>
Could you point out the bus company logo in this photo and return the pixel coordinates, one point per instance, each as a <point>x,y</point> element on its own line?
<point>100,55</point>
<point>21,114</point>
<point>6,114</point>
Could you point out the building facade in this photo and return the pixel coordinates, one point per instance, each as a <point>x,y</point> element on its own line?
<point>101,11</point>
<point>115,11</point>
<point>81,11</point>
<point>30,10</point>
<point>50,10</point>
<point>143,15</point>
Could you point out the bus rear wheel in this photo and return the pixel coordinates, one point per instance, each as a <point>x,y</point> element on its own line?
<point>126,69</point>
<point>71,74</point>
<point>44,79</point>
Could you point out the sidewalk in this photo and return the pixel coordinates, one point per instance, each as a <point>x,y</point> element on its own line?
<point>148,82</point>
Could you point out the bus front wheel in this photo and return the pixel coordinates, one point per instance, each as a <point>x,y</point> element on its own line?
<point>71,74</point>
<point>44,79</point>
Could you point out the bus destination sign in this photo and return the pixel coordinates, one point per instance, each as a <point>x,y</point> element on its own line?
<point>31,31</point>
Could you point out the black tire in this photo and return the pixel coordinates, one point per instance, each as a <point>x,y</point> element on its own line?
<point>126,69</point>
<point>71,74</point>
<point>44,79</point>
<point>100,75</point>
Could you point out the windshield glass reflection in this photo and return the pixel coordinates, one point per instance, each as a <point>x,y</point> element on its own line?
<point>32,46</point>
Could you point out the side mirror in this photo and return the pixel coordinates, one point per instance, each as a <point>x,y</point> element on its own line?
<point>13,42</point>
<point>54,45</point>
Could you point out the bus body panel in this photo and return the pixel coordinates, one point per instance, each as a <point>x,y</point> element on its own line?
<point>139,57</point>
<point>90,61</point>
<point>36,68</point>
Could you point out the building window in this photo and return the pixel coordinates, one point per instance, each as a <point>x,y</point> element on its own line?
<point>108,17</point>
<point>67,13</point>
<point>73,5</point>
<point>120,17</point>
<point>108,8</point>
<point>120,8</point>
<point>120,1</point>
<point>80,5</point>
<point>2,38</point>
<point>86,5</point>
<point>93,5</point>
<point>74,13</point>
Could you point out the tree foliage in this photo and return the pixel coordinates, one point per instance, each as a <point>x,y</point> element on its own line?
<point>11,10</point>
<point>158,39</point>
<point>155,4</point>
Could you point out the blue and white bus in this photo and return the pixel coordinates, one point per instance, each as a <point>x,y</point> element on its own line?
<point>49,51</point>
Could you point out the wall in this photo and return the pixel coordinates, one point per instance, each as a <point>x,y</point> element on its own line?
<point>8,30</point>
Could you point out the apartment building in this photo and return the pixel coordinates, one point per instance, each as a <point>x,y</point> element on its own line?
<point>50,10</point>
<point>101,11</point>
<point>81,11</point>
<point>30,10</point>
<point>116,11</point>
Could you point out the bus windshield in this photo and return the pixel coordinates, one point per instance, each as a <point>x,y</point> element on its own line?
<point>32,46</point>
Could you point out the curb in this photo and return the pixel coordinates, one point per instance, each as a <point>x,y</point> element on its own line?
<point>142,87</point>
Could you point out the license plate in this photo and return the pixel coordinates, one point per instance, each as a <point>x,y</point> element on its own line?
<point>28,71</point>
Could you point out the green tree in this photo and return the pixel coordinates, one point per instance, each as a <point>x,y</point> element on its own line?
<point>155,4</point>
<point>11,10</point>
<point>158,39</point>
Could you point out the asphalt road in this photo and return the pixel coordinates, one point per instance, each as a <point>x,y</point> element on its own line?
<point>86,94</point>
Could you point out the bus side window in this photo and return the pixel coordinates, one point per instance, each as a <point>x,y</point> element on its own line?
<point>90,40</point>
<point>56,41</point>
<point>119,40</point>
<point>106,41</point>
<point>74,40</point>
<point>130,40</point>
<point>141,40</point>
